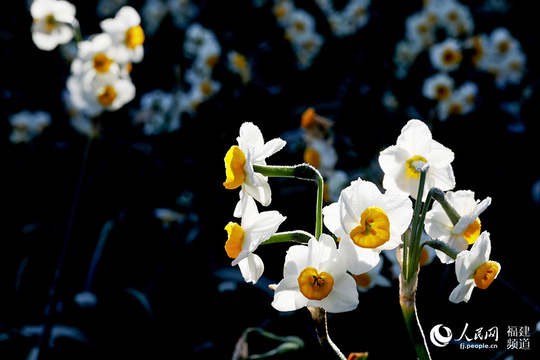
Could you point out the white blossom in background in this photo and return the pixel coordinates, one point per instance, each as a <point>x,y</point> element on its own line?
<point>127,34</point>
<point>27,125</point>
<point>158,113</point>
<point>51,23</point>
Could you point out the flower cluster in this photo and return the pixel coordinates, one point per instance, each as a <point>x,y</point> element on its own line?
<point>300,30</point>
<point>444,29</point>
<point>364,221</point>
<point>27,125</point>
<point>347,21</point>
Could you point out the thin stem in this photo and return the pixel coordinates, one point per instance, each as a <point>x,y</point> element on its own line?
<point>107,227</point>
<point>320,318</point>
<point>439,196</point>
<point>407,301</point>
<point>51,305</point>
<point>445,248</point>
<point>304,172</point>
<point>415,235</point>
<point>297,236</point>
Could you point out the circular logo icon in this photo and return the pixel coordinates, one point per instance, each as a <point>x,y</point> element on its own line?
<point>438,338</point>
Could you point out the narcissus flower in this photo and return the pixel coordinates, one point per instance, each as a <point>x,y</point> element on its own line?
<point>367,222</point>
<point>126,33</point>
<point>315,275</point>
<point>239,160</point>
<point>244,239</point>
<point>51,23</point>
<point>466,230</point>
<point>372,278</point>
<point>415,148</point>
<point>474,269</point>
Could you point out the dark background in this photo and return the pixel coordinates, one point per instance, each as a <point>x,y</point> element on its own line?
<point>191,303</point>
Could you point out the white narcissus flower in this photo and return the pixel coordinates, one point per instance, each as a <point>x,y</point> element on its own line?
<point>446,56</point>
<point>474,269</point>
<point>466,230</point>
<point>127,34</point>
<point>244,239</point>
<point>367,222</point>
<point>239,160</point>
<point>96,55</point>
<point>315,275</point>
<point>415,148</point>
<point>92,93</point>
<point>51,23</point>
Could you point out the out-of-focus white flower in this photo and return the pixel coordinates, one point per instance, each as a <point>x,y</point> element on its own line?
<point>454,17</point>
<point>27,125</point>
<point>196,36</point>
<point>239,160</point>
<point>244,239</point>
<point>168,216</point>
<point>438,87</point>
<point>446,55</point>
<point>51,26</point>
<point>152,13</point>
<point>367,222</point>
<point>94,93</point>
<point>416,147</point>
<point>96,55</point>
<point>315,275</point>
<point>127,34</point>
<point>372,278</point>
<point>461,102</point>
<point>474,269</point>
<point>321,154</point>
<point>239,64</point>
<point>182,12</point>
<point>419,29</point>
<point>466,230</point>
<point>335,183</point>
<point>158,113</point>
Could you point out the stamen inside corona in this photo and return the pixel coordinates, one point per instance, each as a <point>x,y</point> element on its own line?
<point>314,285</point>
<point>411,168</point>
<point>373,230</point>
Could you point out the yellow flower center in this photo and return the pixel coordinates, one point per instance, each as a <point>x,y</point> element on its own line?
<point>362,280</point>
<point>234,168</point>
<point>411,168</point>
<point>442,92</point>
<point>102,63</point>
<point>308,118</point>
<point>233,246</point>
<point>485,274</point>
<point>451,57</point>
<point>473,231</point>
<point>50,23</point>
<point>312,157</point>
<point>374,229</point>
<point>315,285</point>
<point>134,37</point>
<point>107,96</point>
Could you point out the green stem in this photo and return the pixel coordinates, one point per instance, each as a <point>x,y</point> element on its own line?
<point>414,241</point>
<point>304,172</point>
<point>439,196</point>
<point>445,248</point>
<point>298,236</point>
<point>407,301</point>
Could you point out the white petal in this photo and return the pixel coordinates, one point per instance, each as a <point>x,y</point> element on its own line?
<point>295,260</point>
<point>270,148</point>
<point>250,135</point>
<point>343,297</point>
<point>468,219</point>
<point>416,138</point>
<point>252,267</point>
<point>332,221</point>
<point>358,260</point>
<point>480,251</point>
<point>261,193</point>
<point>288,296</point>
<point>265,226</point>
<point>462,292</point>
